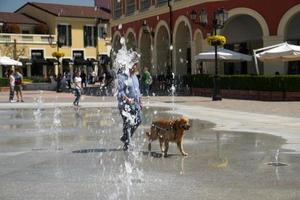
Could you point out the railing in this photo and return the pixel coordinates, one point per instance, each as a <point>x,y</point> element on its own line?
<point>25,38</point>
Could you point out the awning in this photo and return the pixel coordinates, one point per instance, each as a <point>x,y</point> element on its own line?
<point>67,61</point>
<point>39,61</point>
<point>25,61</point>
<point>52,61</point>
<point>92,61</point>
<point>80,61</point>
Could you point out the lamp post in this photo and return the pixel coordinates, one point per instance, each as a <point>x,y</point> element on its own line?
<point>219,18</point>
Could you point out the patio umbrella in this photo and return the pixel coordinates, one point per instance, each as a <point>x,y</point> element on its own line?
<point>8,61</point>
<point>282,52</point>
<point>224,55</point>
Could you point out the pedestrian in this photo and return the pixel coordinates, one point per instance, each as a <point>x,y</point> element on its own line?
<point>129,102</point>
<point>58,83</point>
<point>147,81</point>
<point>77,88</point>
<point>68,79</point>
<point>109,80</point>
<point>18,85</point>
<point>83,79</point>
<point>11,85</point>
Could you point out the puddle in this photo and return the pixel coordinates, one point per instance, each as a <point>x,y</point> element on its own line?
<point>81,151</point>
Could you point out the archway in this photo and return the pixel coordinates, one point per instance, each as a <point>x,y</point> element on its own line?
<point>162,51</point>
<point>116,42</point>
<point>183,64</point>
<point>243,33</point>
<point>146,50</point>
<point>292,36</point>
<point>131,41</point>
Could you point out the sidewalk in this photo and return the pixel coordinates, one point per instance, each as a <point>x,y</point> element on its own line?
<point>290,109</point>
<point>277,118</point>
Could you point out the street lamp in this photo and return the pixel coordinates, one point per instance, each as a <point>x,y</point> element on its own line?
<point>59,42</point>
<point>219,18</point>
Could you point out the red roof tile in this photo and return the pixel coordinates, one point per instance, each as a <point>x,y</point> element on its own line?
<point>16,18</point>
<point>63,10</point>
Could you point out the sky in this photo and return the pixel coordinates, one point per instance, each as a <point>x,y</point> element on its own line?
<point>13,5</point>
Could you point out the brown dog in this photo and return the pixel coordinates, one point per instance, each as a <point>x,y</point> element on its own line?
<point>168,131</point>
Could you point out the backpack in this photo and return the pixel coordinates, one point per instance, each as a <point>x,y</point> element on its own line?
<point>18,80</point>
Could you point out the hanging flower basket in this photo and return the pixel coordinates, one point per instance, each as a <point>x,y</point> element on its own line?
<point>216,40</point>
<point>58,54</point>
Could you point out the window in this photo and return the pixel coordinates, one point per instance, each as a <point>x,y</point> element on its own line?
<point>161,2</point>
<point>102,30</point>
<point>130,7</point>
<point>117,8</point>
<point>64,35</point>
<point>90,36</point>
<point>144,4</point>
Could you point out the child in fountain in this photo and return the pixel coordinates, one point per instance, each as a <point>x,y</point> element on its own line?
<point>129,99</point>
<point>77,88</point>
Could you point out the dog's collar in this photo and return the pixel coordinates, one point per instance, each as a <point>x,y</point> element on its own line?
<point>172,127</point>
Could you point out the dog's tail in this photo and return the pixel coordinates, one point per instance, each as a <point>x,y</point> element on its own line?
<point>148,133</point>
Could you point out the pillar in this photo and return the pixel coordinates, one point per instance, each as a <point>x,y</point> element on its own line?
<point>28,68</point>
<point>45,71</point>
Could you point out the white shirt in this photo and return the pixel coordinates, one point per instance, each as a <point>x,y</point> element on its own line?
<point>77,81</point>
<point>12,80</point>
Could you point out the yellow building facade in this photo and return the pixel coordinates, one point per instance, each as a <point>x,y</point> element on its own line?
<point>79,32</point>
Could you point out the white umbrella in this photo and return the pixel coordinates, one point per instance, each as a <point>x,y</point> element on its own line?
<point>282,52</point>
<point>224,55</point>
<point>8,61</point>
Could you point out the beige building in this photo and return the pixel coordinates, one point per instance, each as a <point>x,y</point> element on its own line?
<point>36,30</point>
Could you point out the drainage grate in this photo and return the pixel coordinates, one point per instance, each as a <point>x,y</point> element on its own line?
<point>277,164</point>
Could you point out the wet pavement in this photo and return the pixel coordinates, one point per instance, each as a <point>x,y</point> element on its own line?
<point>49,150</point>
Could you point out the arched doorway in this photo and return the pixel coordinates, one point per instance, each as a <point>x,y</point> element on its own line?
<point>183,49</point>
<point>116,43</point>
<point>146,50</point>
<point>131,41</point>
<point>292,36</point>
<point>243,34</point>
<point>162,51</point>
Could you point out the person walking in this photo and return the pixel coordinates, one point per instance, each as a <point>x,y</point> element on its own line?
<point>11,85</point>
<point>129,103</point>
<point>83,79</point>
<point>147,81</point>
<point>18,85</point>
<point>77,88</point>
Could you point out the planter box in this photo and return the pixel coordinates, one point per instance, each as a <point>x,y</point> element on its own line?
<point>250,94</point>
<point>292,96</point>
<point>4,89</point>
<point>40,86</point>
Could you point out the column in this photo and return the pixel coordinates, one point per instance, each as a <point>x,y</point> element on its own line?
<point>28,68</point>
<point>56,69</point>
<point>45,71</point>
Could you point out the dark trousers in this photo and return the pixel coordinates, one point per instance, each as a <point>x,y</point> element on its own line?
<point>130,123</point>
<point>77,96</point>
<point>11,93</point>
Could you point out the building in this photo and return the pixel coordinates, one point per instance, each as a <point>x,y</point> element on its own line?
<point>36,30</point>
<point>168,38</point>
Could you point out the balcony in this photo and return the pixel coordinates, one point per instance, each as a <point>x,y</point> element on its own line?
<point>7,38</point>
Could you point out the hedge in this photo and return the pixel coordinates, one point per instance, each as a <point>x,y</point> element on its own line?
<point>289,83</point>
